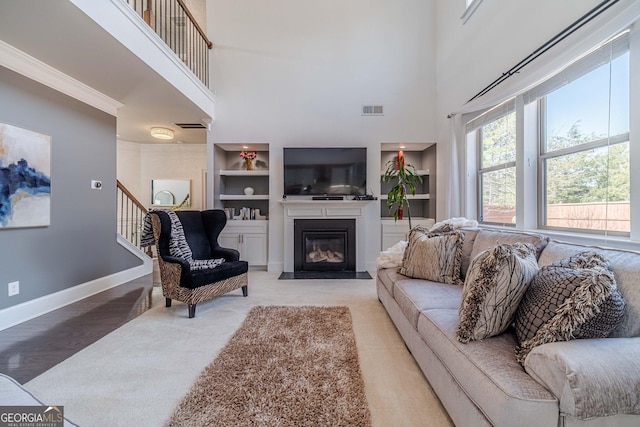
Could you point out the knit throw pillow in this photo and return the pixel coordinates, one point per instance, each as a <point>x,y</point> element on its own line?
<point>573,298</point>
<point>433,256</point>
<point>495,284</point>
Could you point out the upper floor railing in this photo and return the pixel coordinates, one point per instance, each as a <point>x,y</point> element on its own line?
<point>174,23</point>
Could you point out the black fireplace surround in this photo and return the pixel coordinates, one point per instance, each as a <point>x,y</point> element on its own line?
<point>324,245</point>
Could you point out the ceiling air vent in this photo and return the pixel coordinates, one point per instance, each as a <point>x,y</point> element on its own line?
<point>191,125</point>
<point>372,110</point>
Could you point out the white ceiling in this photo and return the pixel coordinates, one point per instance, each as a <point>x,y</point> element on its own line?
<point>62,36</point>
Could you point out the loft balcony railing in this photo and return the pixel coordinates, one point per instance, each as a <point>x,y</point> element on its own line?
<point>174,23</point>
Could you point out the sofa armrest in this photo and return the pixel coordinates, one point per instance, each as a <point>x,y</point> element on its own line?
<point>228,254</point>
<point>590,377</point>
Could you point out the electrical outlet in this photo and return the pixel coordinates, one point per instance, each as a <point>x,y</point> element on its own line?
<point>14,288</point>
<point>96,185</point>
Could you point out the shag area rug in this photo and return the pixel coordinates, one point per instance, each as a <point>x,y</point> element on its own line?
<point>284,366</point>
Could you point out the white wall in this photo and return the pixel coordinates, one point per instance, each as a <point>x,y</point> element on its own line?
<point>138,164</point>
<point>470,56</point>
<point>293,73</point>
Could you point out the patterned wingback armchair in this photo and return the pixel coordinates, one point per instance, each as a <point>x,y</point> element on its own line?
<point>193,266</point>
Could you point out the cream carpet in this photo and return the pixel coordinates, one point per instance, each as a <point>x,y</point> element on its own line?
<point>138,374</point>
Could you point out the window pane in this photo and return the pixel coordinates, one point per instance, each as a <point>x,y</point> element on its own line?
<point>499,141</point>
<point>579,111</point>
<point>589,189</point>
<point>499,196</point>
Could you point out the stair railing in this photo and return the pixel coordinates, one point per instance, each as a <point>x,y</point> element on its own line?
<point>174,23</point>
<point>130,216</point>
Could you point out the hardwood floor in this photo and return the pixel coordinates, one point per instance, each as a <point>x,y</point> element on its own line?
<point>32,347</point>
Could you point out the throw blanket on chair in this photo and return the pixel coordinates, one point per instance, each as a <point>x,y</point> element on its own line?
<point>178,246</point>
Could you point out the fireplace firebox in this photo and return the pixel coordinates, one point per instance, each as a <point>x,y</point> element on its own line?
<point>324,245</point>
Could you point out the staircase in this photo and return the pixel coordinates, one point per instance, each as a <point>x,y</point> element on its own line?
<point>130,216</point>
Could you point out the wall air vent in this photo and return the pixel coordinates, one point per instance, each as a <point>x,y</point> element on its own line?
<point>372,110</point>
<point>191,125</point>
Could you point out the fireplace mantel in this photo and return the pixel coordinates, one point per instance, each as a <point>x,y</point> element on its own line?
<point>327,209</point>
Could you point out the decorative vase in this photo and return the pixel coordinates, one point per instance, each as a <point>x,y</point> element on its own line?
<point>248,191</point>
<point>249,163</point>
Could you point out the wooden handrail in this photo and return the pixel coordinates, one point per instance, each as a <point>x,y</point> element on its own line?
<point>188,41</point>
<point>195,23</point>
<point>131,196</point>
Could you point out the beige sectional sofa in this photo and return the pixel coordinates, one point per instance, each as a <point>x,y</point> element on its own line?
<point>588,382</point>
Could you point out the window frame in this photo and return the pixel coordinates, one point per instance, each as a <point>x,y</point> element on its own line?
<point>543,155</point>
<point>480,170</point>
<point>530,205</point>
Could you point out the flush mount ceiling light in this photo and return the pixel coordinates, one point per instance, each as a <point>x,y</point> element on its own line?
<point>162,133</point>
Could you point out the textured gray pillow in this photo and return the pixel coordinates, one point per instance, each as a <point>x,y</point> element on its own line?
<point>573,298</point>
<point>495,284</point>
<point>434,257</point>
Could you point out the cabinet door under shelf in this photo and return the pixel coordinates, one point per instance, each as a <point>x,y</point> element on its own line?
<point>247,237</point>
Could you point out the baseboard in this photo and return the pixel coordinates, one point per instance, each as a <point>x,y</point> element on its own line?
<point>28,310</point>
<point>275,267</point>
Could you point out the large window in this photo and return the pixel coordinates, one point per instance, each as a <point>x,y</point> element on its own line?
<point>558,155</point>
<point>497,170</point>
<point>585,151</point>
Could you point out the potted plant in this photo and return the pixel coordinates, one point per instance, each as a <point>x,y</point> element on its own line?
<point>405,178</point>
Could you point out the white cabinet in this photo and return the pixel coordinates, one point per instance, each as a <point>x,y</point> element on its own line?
<point>393,232</point>
<point>247,237</point>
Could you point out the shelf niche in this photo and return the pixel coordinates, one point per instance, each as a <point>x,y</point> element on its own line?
<point>232,177</point>
<point>423,157</point>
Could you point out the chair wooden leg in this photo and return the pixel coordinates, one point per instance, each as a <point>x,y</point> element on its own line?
<point>167,302</point>
<point>245,291</point>
<point>192,310</point>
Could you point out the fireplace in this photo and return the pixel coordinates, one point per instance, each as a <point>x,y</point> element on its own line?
<point>324,245</point>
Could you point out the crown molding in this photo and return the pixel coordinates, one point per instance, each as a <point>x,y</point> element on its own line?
<point>28,66</point>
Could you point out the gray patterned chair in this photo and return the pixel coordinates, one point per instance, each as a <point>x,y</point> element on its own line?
<point>195,277</point>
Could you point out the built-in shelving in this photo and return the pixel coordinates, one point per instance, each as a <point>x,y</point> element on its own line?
<point>423,157</point>
<point>244,197</point>
<point>229,172</point>
<point>232,177</point>
<point>410,197</point>
<point>249,237</point>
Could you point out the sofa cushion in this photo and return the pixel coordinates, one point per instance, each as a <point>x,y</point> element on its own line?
<point>591,378</point>
<point>207,276</point>
<point>389,277</point>
<point>495,285</point>
<point>488,238</point>
<point>625,265</point>
<point>433,257</point>
<point>488,372</point>
<point>572,298</point>
<point>415,295</point>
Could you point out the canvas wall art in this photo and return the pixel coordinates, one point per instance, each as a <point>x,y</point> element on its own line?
<point>25,178</point>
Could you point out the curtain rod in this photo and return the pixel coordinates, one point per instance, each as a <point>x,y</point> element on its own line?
<point>575,26</point>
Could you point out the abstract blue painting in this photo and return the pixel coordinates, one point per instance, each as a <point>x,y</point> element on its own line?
<point>25,178</point>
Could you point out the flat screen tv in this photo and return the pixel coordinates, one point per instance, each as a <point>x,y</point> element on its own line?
<point>325,171</point>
